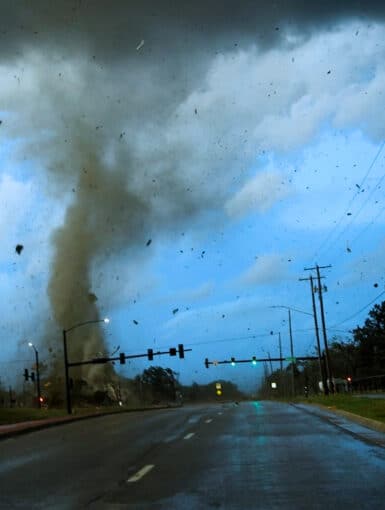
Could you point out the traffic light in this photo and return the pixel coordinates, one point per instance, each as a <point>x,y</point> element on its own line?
<point>26,375</point>
<point>122,358</point>
<point>219,392</point>
<point>150,354</point>
<point>233,362</point>
<point>172,351</point>
<point>32,376</point>
<point>207,362</point>
<point>181,350</point>
<point>254,360</point>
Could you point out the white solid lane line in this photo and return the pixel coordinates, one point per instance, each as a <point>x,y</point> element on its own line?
<point>189,436</point>
<point>141,473</point>
<point>209,420</point>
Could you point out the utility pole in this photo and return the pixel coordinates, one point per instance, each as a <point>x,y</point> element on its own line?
<point>280,350</point>
<point>319,351</point>
<point>292,356</point>
<point>320,290</point>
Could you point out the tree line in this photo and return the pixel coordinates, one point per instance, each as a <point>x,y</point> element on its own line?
<point>357,357</point>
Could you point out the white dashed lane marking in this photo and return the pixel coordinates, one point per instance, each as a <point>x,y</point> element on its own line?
<point>209,420</point>
<point>189,436</point>
<point>141,473</point>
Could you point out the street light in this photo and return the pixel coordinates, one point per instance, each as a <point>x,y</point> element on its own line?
<point>30,344</point>
<point>106,320</point>
<point>289,308</point>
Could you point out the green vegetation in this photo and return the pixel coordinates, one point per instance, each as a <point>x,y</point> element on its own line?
<point>368,407</point>
<point>17,415</point>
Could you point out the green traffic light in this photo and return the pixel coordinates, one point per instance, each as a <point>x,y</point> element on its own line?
<point>254,361</point>
<point>233,362</point>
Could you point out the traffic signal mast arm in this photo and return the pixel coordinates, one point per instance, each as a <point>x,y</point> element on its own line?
<point>122,357</point>
<point>235,361</point>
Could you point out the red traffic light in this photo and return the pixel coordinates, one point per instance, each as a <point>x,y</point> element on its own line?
<point>349,379</point>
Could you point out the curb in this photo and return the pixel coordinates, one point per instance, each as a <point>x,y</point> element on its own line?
<point>378,426</point>
<point>32,426</point>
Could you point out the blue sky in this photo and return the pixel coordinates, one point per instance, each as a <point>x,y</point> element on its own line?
<point>275,163</point>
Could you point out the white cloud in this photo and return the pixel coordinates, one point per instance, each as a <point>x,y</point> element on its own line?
<point>259,194</point>
<point>266,269</point>
<point>191,295</point>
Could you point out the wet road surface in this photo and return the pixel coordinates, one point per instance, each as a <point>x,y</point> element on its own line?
<point>256,455</point>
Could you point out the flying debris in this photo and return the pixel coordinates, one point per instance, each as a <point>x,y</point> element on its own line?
<point>175,310</point>
<point>375,285</point>
<point>19,248</point>
<point>92,298</point>
<point>149,242</point>
<point>135,322</point>
<point>140,45</point>
<point>329,71</point>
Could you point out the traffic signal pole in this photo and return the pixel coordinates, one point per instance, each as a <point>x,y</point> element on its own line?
<point>66,374</point>
<point>38,379</point>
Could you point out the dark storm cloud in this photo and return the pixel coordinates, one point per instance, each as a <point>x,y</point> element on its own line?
<point>111,29</point>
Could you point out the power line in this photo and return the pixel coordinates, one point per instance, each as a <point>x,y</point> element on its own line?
<point>359,311</point>
<point>368,225</point>
<point>359,210</point>
<point>331,233</point>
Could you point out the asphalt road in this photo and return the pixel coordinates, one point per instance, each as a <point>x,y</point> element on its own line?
<point>262,455</point>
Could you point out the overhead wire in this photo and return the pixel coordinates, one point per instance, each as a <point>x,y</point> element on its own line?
<point>333,230</point>
<point>359,210</point>
<point>360,310</point>
<point>368,225</point>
